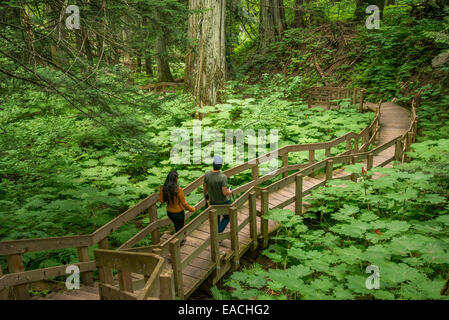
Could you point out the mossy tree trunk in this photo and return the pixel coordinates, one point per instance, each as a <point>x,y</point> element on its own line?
<point>163,68</point>
<point>272,22</point>
<point>205,71</point>
<point>298,21</point>
<point>148,65</point>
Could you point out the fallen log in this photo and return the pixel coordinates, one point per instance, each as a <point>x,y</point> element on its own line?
<point>160,87</point>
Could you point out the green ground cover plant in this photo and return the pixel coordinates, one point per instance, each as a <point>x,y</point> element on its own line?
<point>399,223</point>
<point>62,174</point>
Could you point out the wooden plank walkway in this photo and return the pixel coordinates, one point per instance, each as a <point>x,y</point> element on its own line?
<point>394,120</point>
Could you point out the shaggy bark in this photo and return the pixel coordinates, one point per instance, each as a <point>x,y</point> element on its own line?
<point>272,22</point>
<point>148,66</point>
<point>163,69</point>
<point>205,72</point>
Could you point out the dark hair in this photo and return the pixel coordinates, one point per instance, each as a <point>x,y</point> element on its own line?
<point>171,187</point>
<point>217,166</point>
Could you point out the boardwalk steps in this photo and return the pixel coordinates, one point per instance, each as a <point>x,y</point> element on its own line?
<point>207,256</point>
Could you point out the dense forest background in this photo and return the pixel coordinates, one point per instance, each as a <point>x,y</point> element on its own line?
<point>86,117</point>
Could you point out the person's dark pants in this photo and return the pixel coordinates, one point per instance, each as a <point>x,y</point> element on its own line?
<point>223,222</point>
<point>177,218</point>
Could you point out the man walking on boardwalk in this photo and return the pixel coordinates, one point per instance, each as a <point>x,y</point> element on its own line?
<point>216,187</point>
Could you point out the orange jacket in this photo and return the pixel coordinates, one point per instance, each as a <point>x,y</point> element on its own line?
<point>179,202</point>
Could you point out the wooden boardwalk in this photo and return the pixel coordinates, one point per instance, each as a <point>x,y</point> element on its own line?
<point>394,122</point>
<point>166,269</point>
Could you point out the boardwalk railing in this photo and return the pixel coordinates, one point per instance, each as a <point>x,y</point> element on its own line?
<point>220,264</point>
<point>156,284</point>
<point>18,279</point>
<point>325,96</point>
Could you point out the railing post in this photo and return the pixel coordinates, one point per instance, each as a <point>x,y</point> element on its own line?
<point>376,139</point>
<point>125,281</point>
<point>264,221</point>
<point>356,144</point>
<point>348,143</point>
<point>361,101</point>
<point>369,162</point>
<point>413,131</point>
<point>167,286</point>
<point>365,139</point>
<point>214,247</point>
<point>298,197</point>
<point>405,148</point>
<point>353,175</point>
<point>15,264</point>
<point>3,292</point>
<point>328,152</point>
<point>253,219</point>
<point>312,160</point>
<point>285,164</point>
<point>234,237</point>
<point>408,145</point>
<point>105,273</point>
<point>156,251</point>
<point>255,172</point>
<point>177,268</point>
<point>348,146</point>
<point>415,128</point>
<point>83,256</point>
<point>354,96</point>
<point>397,150</point>
<point>329,168</point>
<point>155,235</point>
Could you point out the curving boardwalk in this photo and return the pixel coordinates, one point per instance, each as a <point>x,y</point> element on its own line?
<point>394,122</point>
<point>166,269</point>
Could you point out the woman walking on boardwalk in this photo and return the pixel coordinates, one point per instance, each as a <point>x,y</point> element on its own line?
<point>173,195</point>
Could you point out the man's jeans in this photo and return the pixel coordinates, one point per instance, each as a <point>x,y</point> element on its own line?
<point>223,223</point>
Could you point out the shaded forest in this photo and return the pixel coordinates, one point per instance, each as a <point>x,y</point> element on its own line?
<point>91,91</point>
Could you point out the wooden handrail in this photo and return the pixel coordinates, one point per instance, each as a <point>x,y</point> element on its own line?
<point>146,264</point>
<point>28,245</point>
<point>250,196</point>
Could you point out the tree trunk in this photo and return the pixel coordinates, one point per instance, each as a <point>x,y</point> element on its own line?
<point>26,15</point>
<point>84,46</point>
<point>57,56</point>
<point>163,69</point>
<point>139,64</point>
<point>299,14</point>
<point>148,66</point>
<point>205,71</point>
<point>230,35</point>
<point>272,22</point>
<point>126,55</point>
